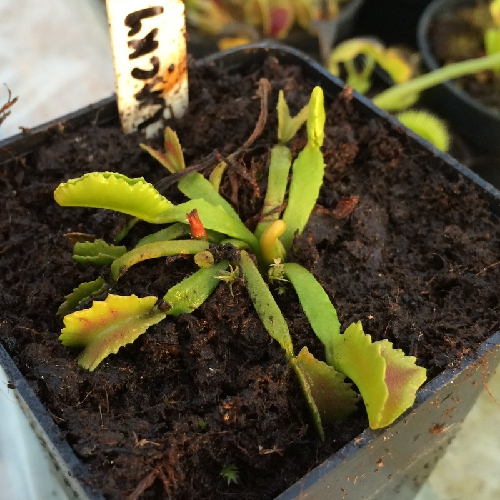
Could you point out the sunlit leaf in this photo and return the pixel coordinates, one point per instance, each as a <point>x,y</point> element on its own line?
<point>279,168</point>
<point>317,306</point>
<point>307,179</point>
<point>214,218</point>
<point>265,305</point>
<point>195,186</point>
<point>427,126</point>
<point>173,158</point>
<point>114,192</point>
<point>386,378</point>
<point>82,292</point>
<point>329,397</point>
<point>307,172</point>
<point>97,252</point>
<point>207,15</point>
<point>173,232</point>
<point>390,59</point>
<point>154,251</point>
<point>288,126</point>
<point>191,292</point>
<point>108,325</point>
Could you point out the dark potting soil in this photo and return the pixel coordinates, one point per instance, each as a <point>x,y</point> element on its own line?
<point>416,261</point>
<point>458,35</point>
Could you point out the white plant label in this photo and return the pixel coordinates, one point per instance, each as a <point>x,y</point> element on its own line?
<point>149,50</point>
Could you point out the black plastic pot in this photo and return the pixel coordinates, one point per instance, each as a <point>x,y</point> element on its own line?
<point>390,463</point>
<point>201,45</point>
<point>478,124</point>
<point>393,21</point>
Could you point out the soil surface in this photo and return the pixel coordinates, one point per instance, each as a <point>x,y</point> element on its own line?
<point>416,261</point>
<point>458,35</point>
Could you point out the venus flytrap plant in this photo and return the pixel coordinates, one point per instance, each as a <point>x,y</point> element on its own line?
<point>408,87</point>
<point>389,59</point>
<point>329,397</point>
<point>385,377</point>
<point>252,257</point>
<point>406,94</point>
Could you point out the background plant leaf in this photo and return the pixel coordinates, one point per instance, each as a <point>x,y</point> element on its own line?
<point>108,325</point>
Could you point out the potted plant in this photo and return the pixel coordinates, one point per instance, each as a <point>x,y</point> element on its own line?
<point>397,71</point>
<point>173,414</point>
<point>217,25</point>
<point>467,103</point>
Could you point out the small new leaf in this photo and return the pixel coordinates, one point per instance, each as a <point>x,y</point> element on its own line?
<point>108,325</point>
<point>82,292</point>
<point>230,473</point>
<point>97,252</point>
<point>173,158</point>
<point>288,126</point>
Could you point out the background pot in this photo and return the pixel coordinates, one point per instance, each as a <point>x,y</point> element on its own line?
<point>388,463</point>
<point>393,21</point>
<point>478,124</point>
<point>201,45</point>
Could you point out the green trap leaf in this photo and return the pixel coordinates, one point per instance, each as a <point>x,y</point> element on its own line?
<point>108,325</point>
<point>154,251</point>
<point>82,292</point>
<point>97,252</point>
<point>114,191</point>
<point>329,397</point>
<point>386,378</point>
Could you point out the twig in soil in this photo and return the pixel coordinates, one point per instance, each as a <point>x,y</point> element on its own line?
<point>489,267</point>
<point>263,92</point>
<point>142,442</point>
<point>208,161</point>
<point>147,482</point>
<point>5,109</point>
